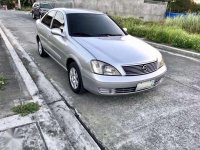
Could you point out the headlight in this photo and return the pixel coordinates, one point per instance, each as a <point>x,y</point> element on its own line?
<point>104,68</point>
<point>160,62</point>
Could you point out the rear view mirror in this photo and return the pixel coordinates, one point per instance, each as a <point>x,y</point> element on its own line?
<point>58,32</point>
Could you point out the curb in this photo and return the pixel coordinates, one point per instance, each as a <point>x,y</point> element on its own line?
<point>174,50</point>
<point>43,118</point>
<point>76,134</point>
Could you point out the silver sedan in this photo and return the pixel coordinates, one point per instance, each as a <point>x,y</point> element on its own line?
<point>97,53</point>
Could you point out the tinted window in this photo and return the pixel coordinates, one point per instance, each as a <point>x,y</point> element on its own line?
<point>45,6</point>
<point>92,25</point>
<point>58,21</point>
<point>48,18</point>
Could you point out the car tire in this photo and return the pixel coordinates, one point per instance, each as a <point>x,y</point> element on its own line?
<point>75,78</point>
<point>33,16</point>
<point>41,51</point>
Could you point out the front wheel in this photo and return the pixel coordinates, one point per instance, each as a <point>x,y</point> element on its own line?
<point>41,51</point>
<point>75,79</point>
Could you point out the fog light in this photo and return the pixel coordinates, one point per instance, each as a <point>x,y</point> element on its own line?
<point>106,91</point>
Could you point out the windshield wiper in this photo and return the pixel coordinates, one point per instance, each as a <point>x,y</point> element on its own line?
<point>108,34</point>
<point>82,34</point>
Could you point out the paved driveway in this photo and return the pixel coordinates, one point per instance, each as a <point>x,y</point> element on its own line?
<point>166,117</point>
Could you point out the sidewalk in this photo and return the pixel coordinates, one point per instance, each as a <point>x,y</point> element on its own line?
<point>15,91</point>
<point>35,131</point>
<point>58,124</point>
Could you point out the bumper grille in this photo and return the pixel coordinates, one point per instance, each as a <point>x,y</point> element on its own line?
<point>140,69</point>
<point>125,90</point>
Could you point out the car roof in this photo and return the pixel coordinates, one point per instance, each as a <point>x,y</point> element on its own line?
<point>42,2</point>
<point>77,10</point>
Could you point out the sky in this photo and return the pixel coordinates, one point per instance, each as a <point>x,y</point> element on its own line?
<point>198,1</point>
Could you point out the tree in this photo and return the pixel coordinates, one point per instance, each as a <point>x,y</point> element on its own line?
<point>196,7</point>
<point>10,4</point>
<point>181,5</point>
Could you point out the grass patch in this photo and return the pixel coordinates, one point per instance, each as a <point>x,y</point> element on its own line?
<point>26,109</point>
<point>190,23</point>
<point>165,32</point>
<point>3,82</point>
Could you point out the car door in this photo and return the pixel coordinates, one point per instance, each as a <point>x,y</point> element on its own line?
<point>59,43</point>
<point>45,30</point>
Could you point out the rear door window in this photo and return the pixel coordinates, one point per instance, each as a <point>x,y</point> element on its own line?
<point>58,21</point>
<point>48,18</point>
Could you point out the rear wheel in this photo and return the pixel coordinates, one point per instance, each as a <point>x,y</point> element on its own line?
<point>41,51</point>
<point>75,79</point>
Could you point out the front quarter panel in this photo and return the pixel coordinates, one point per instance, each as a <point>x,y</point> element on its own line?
<point>80,55</point>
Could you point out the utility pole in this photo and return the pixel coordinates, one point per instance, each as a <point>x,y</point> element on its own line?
<point>19,4</point>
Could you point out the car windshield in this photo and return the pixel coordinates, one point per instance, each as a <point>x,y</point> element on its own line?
<point>86,25</point>
<point>45,6</point>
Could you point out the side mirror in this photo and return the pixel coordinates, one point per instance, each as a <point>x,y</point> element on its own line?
<point>58,32</point>
<point>125,29</point>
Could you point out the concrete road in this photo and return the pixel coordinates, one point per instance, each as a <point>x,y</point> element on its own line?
<point>166,117</point>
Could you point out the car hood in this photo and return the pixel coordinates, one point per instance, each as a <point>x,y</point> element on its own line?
<point>120,49</point>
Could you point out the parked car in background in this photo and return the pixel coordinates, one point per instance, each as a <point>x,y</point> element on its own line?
<point>98,54</point>
<point>39,9</point>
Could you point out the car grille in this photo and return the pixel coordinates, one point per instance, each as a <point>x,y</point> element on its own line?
<point>125,90</point>
<point>140,69</point>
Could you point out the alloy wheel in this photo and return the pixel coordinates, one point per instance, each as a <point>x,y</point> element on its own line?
<point>74,79</point>
<point>40,48</point>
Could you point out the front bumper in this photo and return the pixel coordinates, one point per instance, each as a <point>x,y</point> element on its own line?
<point>119,85</point>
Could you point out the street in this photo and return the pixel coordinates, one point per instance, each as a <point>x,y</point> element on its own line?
<point>166,117</point>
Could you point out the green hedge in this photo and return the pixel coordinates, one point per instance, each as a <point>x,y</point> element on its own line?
<point>161,33</point>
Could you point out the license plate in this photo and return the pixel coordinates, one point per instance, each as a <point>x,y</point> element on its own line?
<point>145,85</point>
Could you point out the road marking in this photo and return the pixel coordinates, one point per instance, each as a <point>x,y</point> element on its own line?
<point>180,55</point>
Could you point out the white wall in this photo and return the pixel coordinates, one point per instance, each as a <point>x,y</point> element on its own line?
<point>136,8</point>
